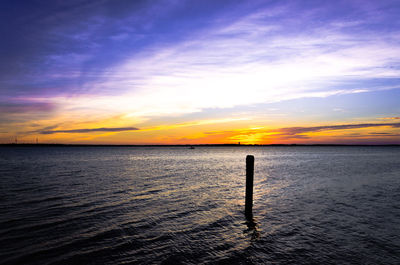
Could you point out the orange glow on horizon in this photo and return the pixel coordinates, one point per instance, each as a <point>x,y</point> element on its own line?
<point>208,131</point>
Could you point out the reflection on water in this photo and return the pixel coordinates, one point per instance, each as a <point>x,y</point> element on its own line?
<point>71,205</point>
<point>252,227</point>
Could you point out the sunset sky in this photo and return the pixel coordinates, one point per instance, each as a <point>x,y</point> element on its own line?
<point>193,72</point>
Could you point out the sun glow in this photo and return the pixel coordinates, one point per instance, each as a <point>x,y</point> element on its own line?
<point>246,73</point>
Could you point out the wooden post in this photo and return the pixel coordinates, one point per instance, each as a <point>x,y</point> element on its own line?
<point>249,185</point>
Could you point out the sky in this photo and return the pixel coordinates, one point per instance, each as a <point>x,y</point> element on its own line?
<point>200,72</point>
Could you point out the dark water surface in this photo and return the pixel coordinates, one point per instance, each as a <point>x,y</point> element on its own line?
<point>173,205</point>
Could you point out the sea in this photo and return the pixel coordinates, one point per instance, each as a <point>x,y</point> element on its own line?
<point>175,205</point>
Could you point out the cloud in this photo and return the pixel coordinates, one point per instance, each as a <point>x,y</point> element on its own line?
<point>293,131</point>
<point>90,130</point>
<point>45,129</point>
<point>391,118</point>
<point>15,114</point>
<point>297,136</point>
<point>26,107</point>
<point>218,132</point>
<point>150,59</point>
<point>379,133</point>
<point>257,58</point>
<point>240,55</point>
<point>56,47</point>
<point>384,134</point>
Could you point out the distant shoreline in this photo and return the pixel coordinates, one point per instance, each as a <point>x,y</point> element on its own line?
<point>179,145</point>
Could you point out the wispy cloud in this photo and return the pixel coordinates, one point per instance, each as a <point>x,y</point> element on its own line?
<point>384,134</point>
<point>90,130</point>
<point>26,107</point>
<point>255,59</point>
<point>304,134</point>
<point>390,118</point>
<point>290,131</point>
<point>154,62</point>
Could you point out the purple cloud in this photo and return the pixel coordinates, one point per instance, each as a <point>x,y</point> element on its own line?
<point>24,107</point>
<point>391,118</point>
<point>384,134</point>
<point>121,129</point>
<point>299,130</point>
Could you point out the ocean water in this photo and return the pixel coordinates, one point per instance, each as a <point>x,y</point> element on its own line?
<point>173,205</point>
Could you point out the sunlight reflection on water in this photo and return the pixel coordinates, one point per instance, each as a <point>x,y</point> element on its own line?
<point>176,205</point>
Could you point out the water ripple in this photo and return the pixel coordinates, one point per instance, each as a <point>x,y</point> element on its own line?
<point>320,205</point>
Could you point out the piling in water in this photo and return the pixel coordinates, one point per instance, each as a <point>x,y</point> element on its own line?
<point>249,185</point>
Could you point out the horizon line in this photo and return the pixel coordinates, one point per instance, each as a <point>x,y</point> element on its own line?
<point>181,145</point>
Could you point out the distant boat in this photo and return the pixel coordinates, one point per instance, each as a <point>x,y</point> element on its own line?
<point>191,147</point>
